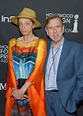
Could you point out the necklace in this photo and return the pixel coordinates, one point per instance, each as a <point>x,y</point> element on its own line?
<point>53,64</point>
<point>26,40</point>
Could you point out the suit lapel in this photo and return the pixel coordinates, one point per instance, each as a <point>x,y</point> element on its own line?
<point>48,50</point>
<point>63,54</point>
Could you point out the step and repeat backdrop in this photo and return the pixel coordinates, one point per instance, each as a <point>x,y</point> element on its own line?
<point>70,10</point>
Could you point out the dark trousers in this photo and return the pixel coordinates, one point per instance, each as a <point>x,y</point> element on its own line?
<point>54,106</point>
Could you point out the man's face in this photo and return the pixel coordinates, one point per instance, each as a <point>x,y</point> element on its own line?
<point>55,29</point>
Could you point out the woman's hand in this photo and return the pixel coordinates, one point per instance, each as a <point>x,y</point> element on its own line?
<point>18,94</point>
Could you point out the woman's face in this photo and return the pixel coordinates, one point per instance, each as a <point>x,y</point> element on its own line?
<point>25,26</point>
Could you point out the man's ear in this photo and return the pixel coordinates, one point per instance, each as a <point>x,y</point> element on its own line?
<point>46,30</point>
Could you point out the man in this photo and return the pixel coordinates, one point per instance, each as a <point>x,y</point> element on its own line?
<point>63,70</point>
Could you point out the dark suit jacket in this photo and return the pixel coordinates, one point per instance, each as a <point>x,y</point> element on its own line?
<point>70,75</point>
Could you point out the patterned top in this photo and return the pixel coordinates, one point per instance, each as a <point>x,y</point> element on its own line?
<point>27,61</point>
<point>24,59</point>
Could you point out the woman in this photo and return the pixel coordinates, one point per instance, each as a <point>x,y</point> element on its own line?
<point>26,57</point>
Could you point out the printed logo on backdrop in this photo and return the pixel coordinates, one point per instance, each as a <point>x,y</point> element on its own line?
<point>5,18</point>
<point>69,19</point>
<point>3,53</point>
<point>2,86</point>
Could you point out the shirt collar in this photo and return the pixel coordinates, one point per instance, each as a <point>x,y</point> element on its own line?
<point>60,44</point>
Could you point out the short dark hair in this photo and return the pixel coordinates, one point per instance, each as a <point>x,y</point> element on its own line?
<point>52,16</point>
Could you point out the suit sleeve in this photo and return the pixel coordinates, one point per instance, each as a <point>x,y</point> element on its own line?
<point>79,74</point>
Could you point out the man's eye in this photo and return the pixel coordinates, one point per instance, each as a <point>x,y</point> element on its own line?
<point>58,26</point>
<point>50,27</point>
